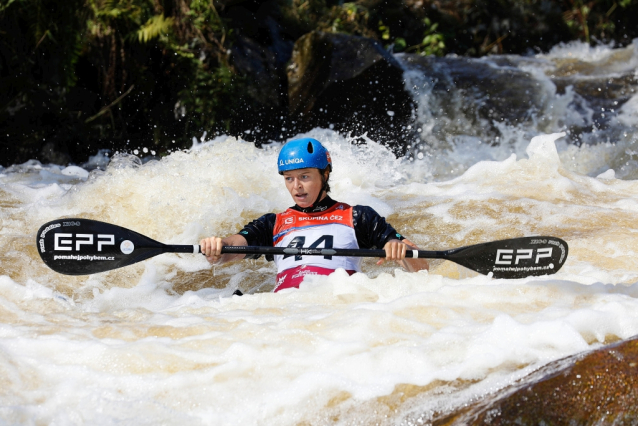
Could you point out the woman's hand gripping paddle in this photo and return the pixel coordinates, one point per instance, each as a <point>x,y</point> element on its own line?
<point>84,246</point>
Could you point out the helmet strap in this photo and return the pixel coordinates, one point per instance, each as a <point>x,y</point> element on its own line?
<point>324,186</point>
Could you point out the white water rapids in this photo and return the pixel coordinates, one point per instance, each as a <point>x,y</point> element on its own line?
<point>164,342</point>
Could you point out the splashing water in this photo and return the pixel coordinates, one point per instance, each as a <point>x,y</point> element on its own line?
<point>164,341</point>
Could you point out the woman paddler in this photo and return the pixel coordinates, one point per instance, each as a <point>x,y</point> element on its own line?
<point>315,221</point>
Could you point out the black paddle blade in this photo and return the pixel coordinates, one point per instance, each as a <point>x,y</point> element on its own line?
<point>84,246</point>
<point>514,258</point>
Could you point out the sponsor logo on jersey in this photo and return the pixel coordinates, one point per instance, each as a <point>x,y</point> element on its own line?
<point>303,221</point>
<point>281,280</point>
<point>334,217</point>
<point>303,273</point>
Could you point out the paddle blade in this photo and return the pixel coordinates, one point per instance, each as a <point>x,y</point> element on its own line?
<point>84,246</point>
<point>513,258</point>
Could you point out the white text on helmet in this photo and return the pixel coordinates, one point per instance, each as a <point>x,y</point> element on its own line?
<point>292,161</point>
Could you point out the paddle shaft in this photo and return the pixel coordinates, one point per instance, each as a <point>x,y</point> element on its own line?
<point>292,251</point>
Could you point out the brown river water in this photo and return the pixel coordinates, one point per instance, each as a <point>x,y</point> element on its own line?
<point>165,342</point>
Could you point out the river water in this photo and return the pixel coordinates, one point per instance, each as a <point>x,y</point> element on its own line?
<point>165,342</point>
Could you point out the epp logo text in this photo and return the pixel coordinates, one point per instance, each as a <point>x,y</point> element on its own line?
<point>64,242</point>
<point>506,256</point>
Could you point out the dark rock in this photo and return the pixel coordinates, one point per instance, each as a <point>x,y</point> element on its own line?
<point>351,84</point>
<point>472,96</point>
<point>52,153</point>
<point>597,387</point>
<point>264,84</point>
<point>259,54</point>
<point>223,4</point>
<point>243,20</point>
<point>482,92</point>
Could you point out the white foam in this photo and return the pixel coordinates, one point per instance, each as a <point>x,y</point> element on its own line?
<point>75,171</point>
<point>581,51</point>
<point>629,112</point>
<point>153,341</point>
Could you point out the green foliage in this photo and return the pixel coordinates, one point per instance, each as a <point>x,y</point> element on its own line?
<point>82,72</point>
<point>308,15</point>
<point>349,18</point>
<point>399,44</point>
<point>194,42</point>
<point>118,17</point>
<point>433,42</point>
<point>5,6</point>
<point>51,35</point>
<point>576,18</point>
<point>213,90</point>
<point>146,55</point>
<point>203,24</point>
<point>303,15</point>
<point>207,98</point>
<point>596,18</point>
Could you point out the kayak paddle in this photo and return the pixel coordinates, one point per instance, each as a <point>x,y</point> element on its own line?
<point>84,246</point>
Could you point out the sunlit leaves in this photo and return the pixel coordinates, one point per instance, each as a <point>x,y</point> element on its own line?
<point>154,27</point>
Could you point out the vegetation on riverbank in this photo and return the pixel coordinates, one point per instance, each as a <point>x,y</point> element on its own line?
<point>80,75</point>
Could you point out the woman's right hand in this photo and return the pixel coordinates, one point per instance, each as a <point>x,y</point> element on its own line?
<point>212,248</point>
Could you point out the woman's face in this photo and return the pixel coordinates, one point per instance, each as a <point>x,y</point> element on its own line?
<point>304,186</point>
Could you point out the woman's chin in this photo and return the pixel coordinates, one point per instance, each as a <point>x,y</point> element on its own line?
<point>302,202</point>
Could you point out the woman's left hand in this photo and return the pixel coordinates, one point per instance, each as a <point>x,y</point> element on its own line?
<point>396,250</point>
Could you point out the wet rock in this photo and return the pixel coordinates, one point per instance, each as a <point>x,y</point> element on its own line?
<point>597,387</point>
<point>259,54</point>
<point>54,153</point>
<point>479,92</point>
<point>351,84</point>
<point>265,85</point>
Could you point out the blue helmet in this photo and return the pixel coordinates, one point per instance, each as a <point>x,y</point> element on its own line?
<point>303,153</point>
